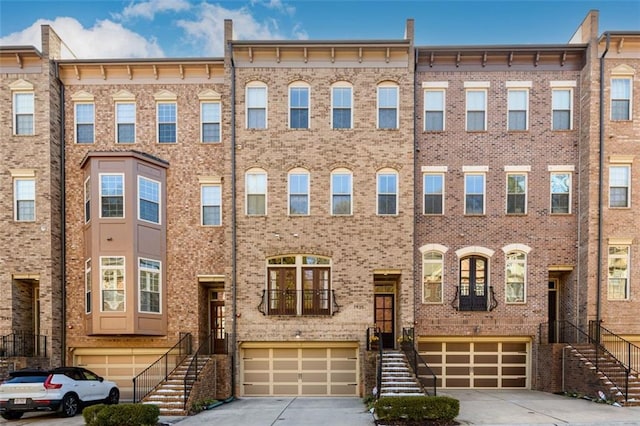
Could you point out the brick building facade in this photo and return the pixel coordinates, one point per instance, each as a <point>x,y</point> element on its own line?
<point>291,195</point>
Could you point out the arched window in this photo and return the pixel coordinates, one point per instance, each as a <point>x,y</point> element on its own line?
<point>299,100</point>
<point>299,192</point>
<point>387,192</point>
<point>256,104</point>
<point>388,102</point>
<point>515,277</point>
<point>341,192</point>
<point>256,192</point>
<point>473,291</point>
<point>432,267</point>
<point>342,105</point>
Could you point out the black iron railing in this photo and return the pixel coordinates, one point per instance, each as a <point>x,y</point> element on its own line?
<point>298,302</point>
<point>160,370</point>
<point>23,344</point>
<point>623,350</point>
<point>420,368</point>
<point>374,343</point>
<point>476,303</point>
<point>200,358</point>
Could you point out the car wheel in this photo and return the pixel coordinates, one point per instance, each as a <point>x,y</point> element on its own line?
<point>69,406</point>
<point>114,396</point>
<point>12,415</point>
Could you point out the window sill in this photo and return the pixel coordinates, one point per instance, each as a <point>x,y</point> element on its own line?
<point>517,130</point>
<point>516,214</point>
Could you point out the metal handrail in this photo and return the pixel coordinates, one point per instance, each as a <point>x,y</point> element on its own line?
<point>159,371</point>
<point>623,350</point>
<point>191,375</point>
<point>421,369</point>
<point>23,345</point>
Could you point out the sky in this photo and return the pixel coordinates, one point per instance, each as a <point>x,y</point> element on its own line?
<point>194,28</point>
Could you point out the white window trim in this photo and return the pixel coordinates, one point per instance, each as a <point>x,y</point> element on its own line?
<point>124,200</point>
<point>139,198</point>
<point>15,198</point>
<point>342,85</point>
<point>560,170</point>
<point>526,268</point>
<point>628,167</point>
<point>388,171</point>
<point>256,171</point>
<point>202,122</point>
<point>628,274</point>
<point>75,122</point>
<point>571,109</point>
<point>444,109</point>
<point>15,112</point>
<point>621,77</point>
<point>527,109</point>
<point>202,205</point>
<point>298,171</point>
<point>424,192</point>
<point>341,171</point>
<point>388,85</point>
<point>87,197</point>
<point>159,271</point>
<point>466,106</point>
<point>124,283</point>
<point>484,192</point>
<point>299,85</point>
<point>175,105</point>
<point>135,122</point>
<point>442,273</point>
<point>526,191</point>
<point>253,85</point>
<point>88,290</point>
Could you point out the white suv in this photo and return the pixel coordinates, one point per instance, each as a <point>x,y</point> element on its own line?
<point>63,389</point>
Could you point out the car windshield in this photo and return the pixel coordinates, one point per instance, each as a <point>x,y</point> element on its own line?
<point>28,379</point>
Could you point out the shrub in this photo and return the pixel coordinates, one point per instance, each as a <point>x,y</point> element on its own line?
<point>441,408</point>
<point>121,415</point>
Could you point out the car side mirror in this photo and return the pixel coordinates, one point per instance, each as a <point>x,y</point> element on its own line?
<point>100,379</point>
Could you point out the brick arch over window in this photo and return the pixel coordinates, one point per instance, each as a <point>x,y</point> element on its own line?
<point>433,247</point>
<point>516,247</point>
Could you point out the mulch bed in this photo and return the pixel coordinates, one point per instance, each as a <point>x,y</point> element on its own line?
<point>416,423</point>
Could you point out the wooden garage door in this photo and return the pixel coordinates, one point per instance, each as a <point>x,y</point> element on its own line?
<point>300,371</point>
<point>479,364</point>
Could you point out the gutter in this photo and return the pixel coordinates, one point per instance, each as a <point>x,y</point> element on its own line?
<point>600,180</point>
<point>234,212</point>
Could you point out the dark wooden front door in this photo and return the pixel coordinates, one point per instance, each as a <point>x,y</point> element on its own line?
<point>218,332</point>
<point>384,318</point>
<point>473,284</point>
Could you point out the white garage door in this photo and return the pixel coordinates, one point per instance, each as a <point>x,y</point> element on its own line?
<point>480,364</point>
<point>300,370</point>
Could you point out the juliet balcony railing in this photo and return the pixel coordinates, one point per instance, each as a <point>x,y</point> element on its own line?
<point>23,345</point>
<point>474,303</point>
<point>298,302</point>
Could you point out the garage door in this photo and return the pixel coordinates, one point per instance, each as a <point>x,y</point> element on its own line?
<point>118,365</point>
<point>479,364</point>
<point>300,370</point>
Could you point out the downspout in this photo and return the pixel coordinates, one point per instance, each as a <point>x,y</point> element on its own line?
<point>416,176</point>
<point>63,233</point>
<point>234,283</point>
<point>600,180</point>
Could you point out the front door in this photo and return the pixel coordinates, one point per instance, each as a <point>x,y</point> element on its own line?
<point>384,318</point>
<point>473,284</point>
<point>217,320</point>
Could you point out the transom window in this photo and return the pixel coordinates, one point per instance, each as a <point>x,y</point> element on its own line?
<point>518,109</point>
<point>25,200</point>
<point>111,195</point>
<point>148,200</point>
<point>516,193</point>
<point>516,272</point>
<point>561,192</point>
<point>299,106</point>
<point>210,117</point>
<point>299,192</point>
<point>619,181</point>
<point>434,110</point>
<point>433,193</point>
<point>85,122</point>
<point>476,110</point>
<point>23,113</point>
<point>125,122</point>
<point>256,189</point>
<point>432,266</point>
<point>562,109</point>
<point>341,106</point>
<point>149,285</point>
<point>298,285</point>
<point>112,283</point>
<point>387,106</point>
<point>618,272</point>
<point>211,202</point>
<point>387,192</point>
<point>256,106</point>
<point>341,192</point>
<point>621,99</point>
<point>474,189</point>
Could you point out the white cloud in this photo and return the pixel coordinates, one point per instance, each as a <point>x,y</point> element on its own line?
<point>276,5</point>
<point>148,9</point>
<point>299,33</point>
<point>88,43</point>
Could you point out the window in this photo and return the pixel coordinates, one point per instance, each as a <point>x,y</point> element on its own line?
<point>562,101</point>
<point>126,122</point>
<point>257,106</point>
<point>619,179</point>
<point>112,283</point>
<point>211,200</point>
<point>23,110</point>
<point>85,121</point>
<point>473,291</point>
<point>210,118</point>
<point>516,193</point>
<point>516,271</point>
<point>474,193</point>
<point>341,107</point>
<point>341,192</point>
<point>87,200</point>
<point>298,285</point>
<point>387,192</point>
<point>388,107</point>
<point>618,272</point>
<point>476,110</point>
<point>621,99</point>
<point>87,286</point>
<point>433,193</point>
<point>167,124</point>
<point>25,200</point>
<point>518,109</point>
<point>111,195</point>
<point>149,285</point>
<point>432,266</point>
<point>560,192</point>
<point>148,200</point>
<point>299,192</point>
<point>256,187</point>
<point>299,107</point>
<point>434,110</point>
